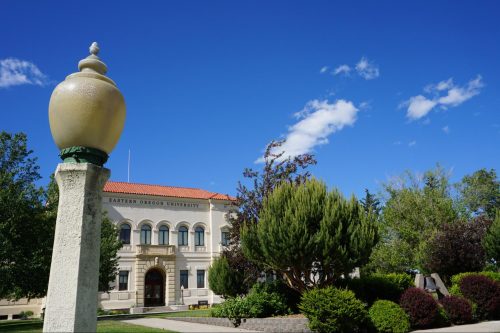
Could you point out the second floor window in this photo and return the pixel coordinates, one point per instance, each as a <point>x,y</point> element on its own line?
<point>183,236</point>
<point>125,233</point>
<point>199,236</point>
<point>145,234</point>
<point>163,235</point>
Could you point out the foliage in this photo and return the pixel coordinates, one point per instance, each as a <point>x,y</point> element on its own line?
<point>456,280</point>
<point>25,234</point>
<point>310,236</point>
<point>108,259</point>
<point>223,279</point>
<point>491,241</point>
<point>484,292</point>
<point>480,192</point>
<point>277,169</point>
<point>25,314</point>
<point>333,310</point>
<point>421,307</point>
<point>387,316</point>
<point>458,309</point>
<point>278,286</point>
<point>380,286</point>
<point>257,304</point>
<point>370,203</point>
<point>457,248</point>
<point>415,208</point>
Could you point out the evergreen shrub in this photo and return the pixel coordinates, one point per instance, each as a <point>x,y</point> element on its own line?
<point>421,307</point>
<point>334,310</point>
<point>458,309</point>
<point>380,286</point>
<point>387,316</point>
<point>484,292</point>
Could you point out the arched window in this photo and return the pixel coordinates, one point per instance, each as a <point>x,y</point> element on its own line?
<point>199,236</point>
<point>125,233</point>
<point>163,235</point>
<point>146,234</point>
<point>183,236</point>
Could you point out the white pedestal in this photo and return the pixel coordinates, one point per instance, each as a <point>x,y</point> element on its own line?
<point>74,272</point>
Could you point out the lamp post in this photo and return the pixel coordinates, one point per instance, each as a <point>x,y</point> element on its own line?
<point>182,294</point>
<point>86,116</point>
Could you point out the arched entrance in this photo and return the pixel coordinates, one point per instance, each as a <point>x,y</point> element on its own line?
<point>154,288</point>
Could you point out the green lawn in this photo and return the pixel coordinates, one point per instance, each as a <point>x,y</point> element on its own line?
<point>190,313</point>
<point>102,326</point>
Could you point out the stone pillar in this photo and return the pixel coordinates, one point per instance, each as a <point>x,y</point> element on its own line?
<point>74,272</point>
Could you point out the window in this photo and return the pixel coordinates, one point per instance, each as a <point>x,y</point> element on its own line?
<point>125,233</point>
<point>199,236</point>
<point>146,234</point>
<point>184,279</point>
<point>200,279</point>
<point>123,280</point>
<point>163,235</point>
<point>183,236</point>
<point>225,238</point>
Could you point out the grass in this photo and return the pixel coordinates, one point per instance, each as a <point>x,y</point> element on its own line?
<point>190,313</point>
<point>105,326</point>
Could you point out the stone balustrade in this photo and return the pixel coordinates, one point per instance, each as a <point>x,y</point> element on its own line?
<point>155,250</point>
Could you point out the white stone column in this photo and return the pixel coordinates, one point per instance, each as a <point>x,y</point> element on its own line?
<point>74,272</point>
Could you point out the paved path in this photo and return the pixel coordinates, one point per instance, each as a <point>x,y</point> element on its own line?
<point>182,326</point>
<point>487,326</point>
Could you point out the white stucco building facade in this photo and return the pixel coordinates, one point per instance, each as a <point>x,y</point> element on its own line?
<point>171,235</point>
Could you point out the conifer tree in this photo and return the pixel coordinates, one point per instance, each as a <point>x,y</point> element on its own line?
<point>309,235</point>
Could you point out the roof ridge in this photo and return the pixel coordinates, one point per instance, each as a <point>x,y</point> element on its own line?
<point>184,187</point>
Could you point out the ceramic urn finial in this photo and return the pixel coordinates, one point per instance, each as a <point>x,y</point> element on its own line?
<point>87,112</point>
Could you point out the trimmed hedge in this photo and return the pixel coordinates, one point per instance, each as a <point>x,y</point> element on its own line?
<point>257,304</point>
<point>484,292</point>
<point>455,280</point>
<point>421,307</point>
<point>334,310</point>
<point>458,309</point>
<point>387,316</point>
<point>379,286</point>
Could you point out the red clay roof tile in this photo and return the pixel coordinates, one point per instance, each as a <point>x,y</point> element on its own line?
<point>163,191</point>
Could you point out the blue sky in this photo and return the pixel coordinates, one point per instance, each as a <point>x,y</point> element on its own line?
<point>371,88</point>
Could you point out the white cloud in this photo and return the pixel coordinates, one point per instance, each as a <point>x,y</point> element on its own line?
<point>412,143</point>
<point>342,69</point>
<point>419,106</point>
<point>14,72</point>
<point>397,143</point>
<point>317,121</point>
<point>323,69</point>
<point>446,129</point>
<point>367,70</point>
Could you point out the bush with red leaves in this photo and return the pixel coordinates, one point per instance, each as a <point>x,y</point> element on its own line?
<point>458,309</point>
<point>483,291</point>
<point>421,307</point>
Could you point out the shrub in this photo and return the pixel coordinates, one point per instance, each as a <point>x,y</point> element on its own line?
<point>421,307</point>
<point>458,309</point>
<point>25,314</point>
<point>387,316</point>
<point>257,304</point>
<point>333,310</point>
<point>289,295</point>
<point>223,279</point>
<point>455,280</point>
<point>484,292</point>
<point>380,286</point>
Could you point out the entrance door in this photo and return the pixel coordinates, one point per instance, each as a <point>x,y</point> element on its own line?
<point>154,288</point>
